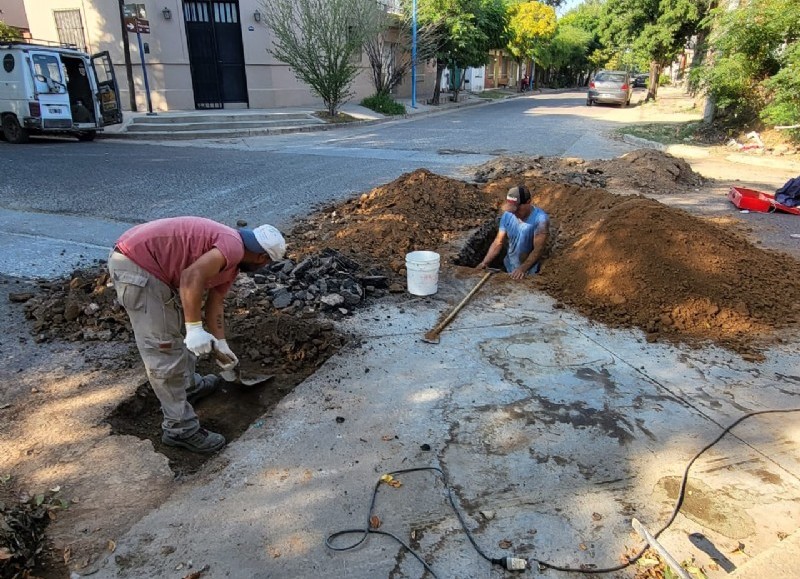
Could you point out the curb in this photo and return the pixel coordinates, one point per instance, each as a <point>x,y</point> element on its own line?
<point>176,136</point>
<point>694,152</point>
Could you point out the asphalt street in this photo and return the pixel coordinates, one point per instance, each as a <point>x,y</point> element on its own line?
<point>99,189</point>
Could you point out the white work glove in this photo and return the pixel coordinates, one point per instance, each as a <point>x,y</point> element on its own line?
<point>197,340</point>
<point>222,347</point>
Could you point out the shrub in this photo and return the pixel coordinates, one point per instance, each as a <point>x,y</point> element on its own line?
<point>784,87</point>
<point>383,103</point>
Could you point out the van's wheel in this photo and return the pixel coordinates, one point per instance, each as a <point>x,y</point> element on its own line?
<point>86,135</point>
<point>13,132</point>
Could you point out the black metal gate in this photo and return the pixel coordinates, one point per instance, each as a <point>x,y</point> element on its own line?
<point>216,54</point>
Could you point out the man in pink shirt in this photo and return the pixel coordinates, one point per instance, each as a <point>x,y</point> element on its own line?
<point>188,257</point>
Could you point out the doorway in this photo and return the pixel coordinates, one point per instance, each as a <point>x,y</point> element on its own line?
<point>216,53</point>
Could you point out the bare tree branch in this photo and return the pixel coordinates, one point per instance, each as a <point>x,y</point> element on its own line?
<point>321,41</point>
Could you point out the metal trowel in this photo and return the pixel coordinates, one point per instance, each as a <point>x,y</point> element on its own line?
<point>235,376</point>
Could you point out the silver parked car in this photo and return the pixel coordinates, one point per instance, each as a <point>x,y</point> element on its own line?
<point>610,86</point>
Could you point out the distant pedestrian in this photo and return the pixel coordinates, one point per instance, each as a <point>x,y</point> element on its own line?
<point>524,230</point>
<point>195,258</point>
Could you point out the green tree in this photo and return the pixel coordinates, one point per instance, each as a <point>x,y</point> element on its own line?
<point>567,55</point>
<point>784,90</point>
<point>753,57</point>
<point>468,29</point>
<point>321,41</point>
<point>655,30</point>
<point>8,32</point>
<point>587,17</point>
<point>531,25</point>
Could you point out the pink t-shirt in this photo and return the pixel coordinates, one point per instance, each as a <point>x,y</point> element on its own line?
<point>166,247</point>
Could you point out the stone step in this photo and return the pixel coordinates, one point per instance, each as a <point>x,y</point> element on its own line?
<point>217,133</point>
<point>237,124</point>
<point>163,118</point>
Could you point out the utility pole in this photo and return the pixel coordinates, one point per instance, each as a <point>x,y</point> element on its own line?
<point>127,52</point>
<point>414,55</point>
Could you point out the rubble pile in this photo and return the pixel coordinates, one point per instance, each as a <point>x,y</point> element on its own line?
<point>623,260</point>
<point>644,169</point>
<point>328,281</point>
<point>83,307</point>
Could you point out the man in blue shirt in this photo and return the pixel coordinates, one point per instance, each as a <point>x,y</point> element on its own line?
<point>527,228</point>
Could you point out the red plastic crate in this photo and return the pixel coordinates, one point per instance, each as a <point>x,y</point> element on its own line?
<point>759,201</point>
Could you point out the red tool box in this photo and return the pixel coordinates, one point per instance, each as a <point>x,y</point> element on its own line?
<point>753,200</point>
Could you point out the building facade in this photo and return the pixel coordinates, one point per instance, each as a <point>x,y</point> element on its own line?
<point>198,54</point>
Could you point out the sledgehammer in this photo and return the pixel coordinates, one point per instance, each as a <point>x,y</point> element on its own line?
<point>432,336</point>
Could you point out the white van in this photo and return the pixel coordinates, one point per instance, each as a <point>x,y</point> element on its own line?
<point>55,90</point>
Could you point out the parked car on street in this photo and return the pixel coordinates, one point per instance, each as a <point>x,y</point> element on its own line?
<point>640,80</point>
<point>610,86</point>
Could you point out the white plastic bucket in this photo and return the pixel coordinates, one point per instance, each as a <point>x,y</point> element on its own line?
<point>422,269</point>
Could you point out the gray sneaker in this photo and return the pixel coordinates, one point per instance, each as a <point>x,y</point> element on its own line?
<point>201,441</point>
<point>203,386</point>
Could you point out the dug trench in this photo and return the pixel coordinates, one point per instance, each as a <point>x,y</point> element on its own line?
<point>626,261</point>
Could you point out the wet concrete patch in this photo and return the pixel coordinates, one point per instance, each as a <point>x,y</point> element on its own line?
<point>714,509</point>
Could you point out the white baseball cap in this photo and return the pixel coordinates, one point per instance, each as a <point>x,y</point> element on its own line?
<point>264,239</point>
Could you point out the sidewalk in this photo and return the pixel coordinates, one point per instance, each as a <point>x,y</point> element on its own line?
<point>553,432</point>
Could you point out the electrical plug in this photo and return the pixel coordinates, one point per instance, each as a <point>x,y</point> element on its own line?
<point>512,563</point>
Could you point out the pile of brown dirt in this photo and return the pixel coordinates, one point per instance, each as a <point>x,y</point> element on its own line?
<point>625,261</point>
<point>644,169</point>
<point>630,261</point>
<point>417,211</point>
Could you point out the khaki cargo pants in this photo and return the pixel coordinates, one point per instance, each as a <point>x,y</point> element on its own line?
<point>157,323</point>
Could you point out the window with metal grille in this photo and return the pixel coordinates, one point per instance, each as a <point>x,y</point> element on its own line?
<point>226,12</point>
<point>196,11</point>
<point>70,27</point>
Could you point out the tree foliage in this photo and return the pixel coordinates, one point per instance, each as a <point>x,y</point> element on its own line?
<point>530,26</point>
<point>755,54</point>
<point>468,29</point>
<point>567,54</point>
<point>784,88</point>
<point>321,41</point>
<point>8,32</point>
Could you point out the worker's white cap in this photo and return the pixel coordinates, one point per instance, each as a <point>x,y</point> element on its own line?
<point>264,239</point>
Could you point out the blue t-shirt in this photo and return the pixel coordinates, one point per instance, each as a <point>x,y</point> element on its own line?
<point>520,237</point>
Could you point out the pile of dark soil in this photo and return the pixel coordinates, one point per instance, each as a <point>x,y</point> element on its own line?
<point>644,169</point>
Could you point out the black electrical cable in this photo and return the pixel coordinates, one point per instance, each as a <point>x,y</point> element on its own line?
<point>367,530</point>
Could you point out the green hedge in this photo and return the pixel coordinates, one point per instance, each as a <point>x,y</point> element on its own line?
<point>384,104</point>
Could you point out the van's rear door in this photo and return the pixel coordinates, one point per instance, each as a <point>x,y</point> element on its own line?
<point>51,90</point>
<point>107,88</point>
